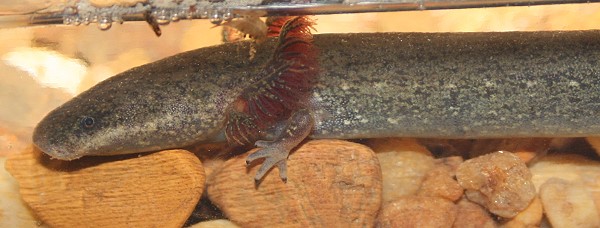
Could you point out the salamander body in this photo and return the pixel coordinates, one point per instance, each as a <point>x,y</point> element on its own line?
<point>450,85</point>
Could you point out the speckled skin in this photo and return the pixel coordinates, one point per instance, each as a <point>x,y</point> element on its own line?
<point>543,84</point>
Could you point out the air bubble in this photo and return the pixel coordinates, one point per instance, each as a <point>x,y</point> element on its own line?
<point>162,20</point>
<point>174,17</point>
<point>117,19</point>
<point>421,6</point>
<point>104,23</point>
<point>162,17</point>
<point>76,20</point>
<point>204,14</point>
<point>189,14</point>
<point>86,19</point>
<point>67,20</point>
<point>215,17</point>
<point>106,17</point>
<point>227,15</point>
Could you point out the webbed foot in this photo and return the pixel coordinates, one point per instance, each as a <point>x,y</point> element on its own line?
<point>276,152</point>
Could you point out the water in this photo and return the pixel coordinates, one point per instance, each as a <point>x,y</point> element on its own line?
<point>17,13</point>
<point>58,62</point>
<point>44,66</point>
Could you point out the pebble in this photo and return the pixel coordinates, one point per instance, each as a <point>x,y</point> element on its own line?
<point>452,163</point>
<point>530,217</point>
<point>13,212</point>
<point>527,149</point>
<point>440,182</point>
<point>219,223</point>
<point>569,204</point>
<point>152,190</point>
<point>384,145</point>
<point>331,183</point>
<point>424,189</point>
<point>417,211</point>
<point>570,167</point>
<point>471,215</point>
<point>498,181</point>
<point>404,164</point>
<point>212,155</point>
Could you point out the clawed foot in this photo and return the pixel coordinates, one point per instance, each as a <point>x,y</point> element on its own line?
<point>276,152</point>
<point>274,155</point>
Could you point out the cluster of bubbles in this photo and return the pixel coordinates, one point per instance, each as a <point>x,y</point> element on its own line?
<point>105,17</point>
<point>215,15</point>
<point>104,20</point>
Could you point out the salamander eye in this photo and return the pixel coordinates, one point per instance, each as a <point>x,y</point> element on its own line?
<point>87,122</point>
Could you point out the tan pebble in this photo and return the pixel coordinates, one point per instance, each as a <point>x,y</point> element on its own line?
<point>451,162</point>
<point>568,204</point>
<point>383,145</point>
<point>570,167</point>
<point>109,3</point>
<point>25,96</point>
<point>211,165</point>
<point>498,181</point>
<point>530,149</point>
<point>417,211</point>
<point>155,190</point>
<point>530,217</point>
<point>527,149</point>
<point>403,173</point>
<point>219,223</point>
<point>439,182</point>
<point>404,164</point>
<point>13,211</point>
<point>471,215</point>
<point>562,144</point>
<point>330,183</point>
<point>595,143</point>
<point>212,155</point>
<point>525,156</point>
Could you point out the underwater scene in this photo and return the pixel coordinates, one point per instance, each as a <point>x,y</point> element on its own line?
<point>322,113</point>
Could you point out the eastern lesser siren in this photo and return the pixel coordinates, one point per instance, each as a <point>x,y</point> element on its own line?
<point>448,85</point>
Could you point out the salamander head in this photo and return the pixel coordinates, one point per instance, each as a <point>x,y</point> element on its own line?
<point>77,128</point>
<point>122,116</point>
<point>171,103</point>
<point>102,124</point>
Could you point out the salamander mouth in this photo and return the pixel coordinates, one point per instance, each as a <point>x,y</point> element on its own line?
<point>55,153</point>
<point>53,146</point>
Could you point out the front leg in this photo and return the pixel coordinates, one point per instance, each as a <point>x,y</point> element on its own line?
<point>276,152</point>
<point>277,104</point>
